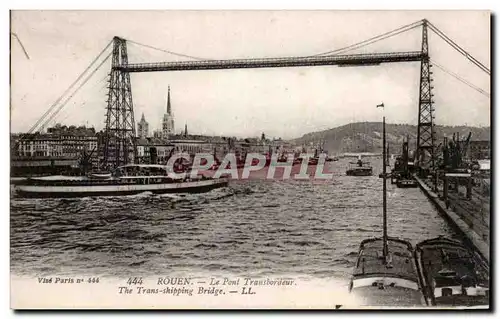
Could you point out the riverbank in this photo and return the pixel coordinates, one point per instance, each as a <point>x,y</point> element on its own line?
<point>471,220</point>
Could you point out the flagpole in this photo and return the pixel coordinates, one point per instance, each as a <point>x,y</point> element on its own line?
<point>385,248</point>
<point>384,207</point>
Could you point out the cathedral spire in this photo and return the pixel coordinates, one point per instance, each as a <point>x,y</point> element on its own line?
<point>168,119</point>
<point>169,107</point>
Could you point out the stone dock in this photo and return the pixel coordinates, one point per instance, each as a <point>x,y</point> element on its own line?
<point>471,217</point>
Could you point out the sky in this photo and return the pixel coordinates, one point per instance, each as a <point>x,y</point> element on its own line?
<point>281,102</point>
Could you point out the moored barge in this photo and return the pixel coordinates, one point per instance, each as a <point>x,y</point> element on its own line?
<point>386,281</point>
<point>386,273</point>
<point>452,275</point>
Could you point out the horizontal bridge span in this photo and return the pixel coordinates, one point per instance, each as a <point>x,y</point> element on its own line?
<point>342,60</point>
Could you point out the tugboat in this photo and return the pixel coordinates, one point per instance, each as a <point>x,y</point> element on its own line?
<point>283,158</point>
<point>401,171</point>
<point>313,161</point>
<point>125,180</point>
<point>359,168</point>
<point>297,160</point>
<point>452,275</point>
<point>385,274</point>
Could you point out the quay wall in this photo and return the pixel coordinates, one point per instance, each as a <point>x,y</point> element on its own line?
<point>472,223</point>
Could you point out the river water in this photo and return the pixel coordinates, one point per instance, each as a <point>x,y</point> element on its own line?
<point>251,228</point>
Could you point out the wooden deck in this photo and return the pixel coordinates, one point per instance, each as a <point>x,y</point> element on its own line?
<point>452,274</point>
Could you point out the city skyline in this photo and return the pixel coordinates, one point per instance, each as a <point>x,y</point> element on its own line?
<point>286,102</point>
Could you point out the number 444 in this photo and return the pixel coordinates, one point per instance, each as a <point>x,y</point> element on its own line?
<point>134,281</point>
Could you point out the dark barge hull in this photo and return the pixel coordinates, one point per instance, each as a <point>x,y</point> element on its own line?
<point>452,275</point>
<point>359,172</point>
<point>406,183</point>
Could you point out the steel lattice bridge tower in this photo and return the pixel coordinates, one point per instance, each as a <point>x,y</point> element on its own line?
<point>119,136</point>
<point>119,140</point>
<point>426,138</point>
<point>119,119</point>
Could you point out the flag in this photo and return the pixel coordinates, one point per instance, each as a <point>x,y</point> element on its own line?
<point>381,105</point>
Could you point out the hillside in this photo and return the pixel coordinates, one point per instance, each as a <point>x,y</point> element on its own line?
<point>367,136</point>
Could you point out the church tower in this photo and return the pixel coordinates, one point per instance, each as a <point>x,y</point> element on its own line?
<point>168,119</point>
<point>143,128</point>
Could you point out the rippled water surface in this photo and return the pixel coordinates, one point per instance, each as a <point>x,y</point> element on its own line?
<point>249,228</point>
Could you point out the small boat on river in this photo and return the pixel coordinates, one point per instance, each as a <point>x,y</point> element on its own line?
<point>402,171</point>
<point>359,168</point>
<point>313,161</point>
<point>125,180</point>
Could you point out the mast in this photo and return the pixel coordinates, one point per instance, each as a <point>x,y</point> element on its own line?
<point>388,156</point>
<point>405,155</point>
<point>385,248</point>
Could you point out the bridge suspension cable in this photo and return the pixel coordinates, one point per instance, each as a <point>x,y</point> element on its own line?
<point>102,83</point>
<point>456,76</point>
<point>21,44</point>
<point>74,92</point>
<point>458,48</point>
<point>337,51</point>
<point>374,39</point>
<point>54,105</point>
<point>166,51</point>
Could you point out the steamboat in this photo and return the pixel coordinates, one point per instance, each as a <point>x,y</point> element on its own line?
<point>403,169</point>
<point>124,180</point>
<point>359,168</point>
